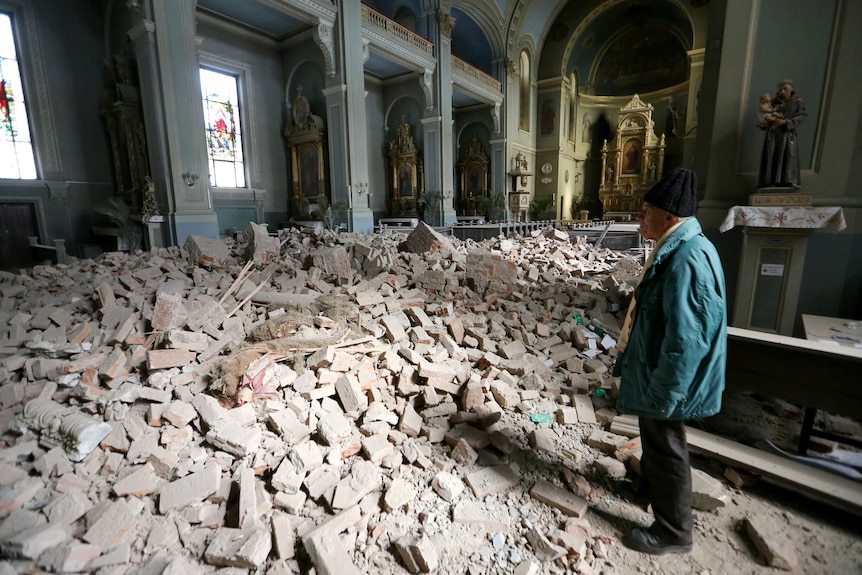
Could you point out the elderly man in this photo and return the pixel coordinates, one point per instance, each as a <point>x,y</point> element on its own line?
<point>672,359</point>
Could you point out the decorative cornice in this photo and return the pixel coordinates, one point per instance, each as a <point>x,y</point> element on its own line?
<point>204,16</point>
<point>305,10</point>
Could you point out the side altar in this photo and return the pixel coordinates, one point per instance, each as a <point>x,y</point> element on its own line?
<point>632,163</point>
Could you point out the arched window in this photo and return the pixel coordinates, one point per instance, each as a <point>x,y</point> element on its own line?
<point>525,92</point>
<point>17,161</point>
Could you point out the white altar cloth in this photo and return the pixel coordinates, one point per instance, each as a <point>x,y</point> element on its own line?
<point>830,219</point>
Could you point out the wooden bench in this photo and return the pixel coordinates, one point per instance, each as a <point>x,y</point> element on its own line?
<point>56,253</point>
<point>809,373</point>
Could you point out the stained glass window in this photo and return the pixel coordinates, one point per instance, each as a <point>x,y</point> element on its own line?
<point>223,133</point>
<point>16,146</point>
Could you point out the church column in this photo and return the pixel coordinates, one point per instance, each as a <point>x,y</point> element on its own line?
<point>346,121</point>
<point>501,183</point>
<point>168,68</point>
<point>501,149</point>
<point>438,145</point>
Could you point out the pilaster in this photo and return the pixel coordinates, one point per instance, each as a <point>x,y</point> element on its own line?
<point>499,179</point>
<point>438,142</point>
<point>346,118</point>
<point>695,81</point>
<point>168,67</point>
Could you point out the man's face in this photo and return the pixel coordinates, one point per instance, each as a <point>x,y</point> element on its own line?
<point>654,221</point>
<point>784,92</point>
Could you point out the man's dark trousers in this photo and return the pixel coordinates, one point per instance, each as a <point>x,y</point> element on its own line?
<point>666,470</point>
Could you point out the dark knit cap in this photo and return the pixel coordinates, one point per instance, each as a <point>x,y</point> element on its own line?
<point>676,193</point>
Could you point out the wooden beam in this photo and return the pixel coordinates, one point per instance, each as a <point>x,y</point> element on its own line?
<point>815,483</point>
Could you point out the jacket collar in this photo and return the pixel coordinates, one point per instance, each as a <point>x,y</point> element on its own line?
<point>686,231</point>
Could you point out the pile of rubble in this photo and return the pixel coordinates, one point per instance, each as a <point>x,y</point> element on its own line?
<point>338,403</point>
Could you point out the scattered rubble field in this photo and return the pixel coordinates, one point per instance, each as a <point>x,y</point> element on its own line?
<point>342,403</point>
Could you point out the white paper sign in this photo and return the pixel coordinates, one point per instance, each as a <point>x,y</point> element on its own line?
<point>772,270</point>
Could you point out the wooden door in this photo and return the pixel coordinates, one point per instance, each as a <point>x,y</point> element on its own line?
<point>17,222</point>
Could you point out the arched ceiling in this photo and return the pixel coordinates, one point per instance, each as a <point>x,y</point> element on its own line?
<point>581,30</point>
<point>588,40</point>
<point>469,42</point>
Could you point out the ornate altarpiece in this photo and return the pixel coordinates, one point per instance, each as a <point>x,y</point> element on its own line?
<point>306,138</point>
<point>633,162</point>
<point>519,197</point>
<point>475,180</point>
<point>406,174</point>
<point>121,109</point>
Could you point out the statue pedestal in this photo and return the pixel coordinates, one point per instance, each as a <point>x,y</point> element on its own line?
<point>519,203</point>
<point>154,235</point>
<point>775,239</point>
<point>779,197</point>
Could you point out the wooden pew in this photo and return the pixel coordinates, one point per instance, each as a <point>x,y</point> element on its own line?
<point>805,372</point>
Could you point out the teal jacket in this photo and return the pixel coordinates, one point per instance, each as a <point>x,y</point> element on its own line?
<point>674,364</point>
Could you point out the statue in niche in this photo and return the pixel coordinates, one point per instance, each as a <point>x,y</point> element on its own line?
<point>301,108</point>
<point>149,205</point>
<point>521,162</point>
<point>779,160</point>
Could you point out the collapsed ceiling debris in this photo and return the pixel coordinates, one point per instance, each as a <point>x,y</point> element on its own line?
<point>356,403</point>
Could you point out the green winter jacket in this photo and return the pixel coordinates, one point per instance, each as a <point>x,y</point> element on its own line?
<point>673,366</point>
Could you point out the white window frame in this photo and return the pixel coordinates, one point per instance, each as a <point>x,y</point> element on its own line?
<point>242,72</point>
<point>34,80</point>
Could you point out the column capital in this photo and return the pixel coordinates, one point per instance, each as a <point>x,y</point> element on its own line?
<point>447,23</point>
<point>144,29</point>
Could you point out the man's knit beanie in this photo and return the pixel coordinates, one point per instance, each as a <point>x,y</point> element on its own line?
<point>676,193</point>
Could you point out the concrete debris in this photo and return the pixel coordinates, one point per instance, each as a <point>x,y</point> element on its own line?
<point>239,547</point>
<point>234,403</point>
<point>418,554</point>
<point>260,247</point>
<point>707,492</point>
<point>777,550</point>
<point>77,433</point>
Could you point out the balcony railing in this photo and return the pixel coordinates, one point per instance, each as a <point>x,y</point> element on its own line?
<point>475,74</point>
<point>393,28</point>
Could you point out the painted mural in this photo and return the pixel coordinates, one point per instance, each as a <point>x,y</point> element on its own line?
<point>640,59</point>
